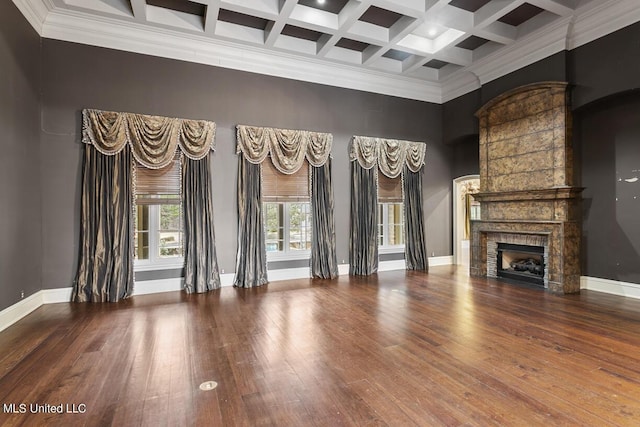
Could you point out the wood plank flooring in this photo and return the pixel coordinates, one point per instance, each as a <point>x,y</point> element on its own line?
<point>396,349</point>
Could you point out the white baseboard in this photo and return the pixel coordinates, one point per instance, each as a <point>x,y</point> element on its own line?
<point>17,311</point>
<point>615,287</point>
<point>343,269</point>
<point>146,287</point>
<point>396,264</point>
<point>436,261</point>
<point>53,296</point>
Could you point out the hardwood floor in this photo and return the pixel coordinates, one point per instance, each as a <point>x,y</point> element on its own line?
<point>397,349</point>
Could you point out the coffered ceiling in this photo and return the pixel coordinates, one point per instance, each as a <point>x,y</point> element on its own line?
<point>430,50</point>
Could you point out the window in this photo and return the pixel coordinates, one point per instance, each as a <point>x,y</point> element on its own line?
<point>390,212</point>
<point>287,212</point>
<point>159,223</point>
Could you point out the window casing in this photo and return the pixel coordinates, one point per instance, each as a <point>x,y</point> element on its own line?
<point>390,214</point>
<point>286,213</point>
<point>158,235</point>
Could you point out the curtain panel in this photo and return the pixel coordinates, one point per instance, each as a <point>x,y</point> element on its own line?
<point>392,158</point>
<point>324,260</point>
<point>363,239</point>
<point>415,248</point>
<point>201,273</point>
<point>112,140</point>
<point>288,150</point>
<point>105,268</point>
<point>251,258</point>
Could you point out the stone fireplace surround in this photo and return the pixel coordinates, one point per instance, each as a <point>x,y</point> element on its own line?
<point>526,193</point>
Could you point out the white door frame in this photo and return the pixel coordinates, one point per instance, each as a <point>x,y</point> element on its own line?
<point>457,232</point>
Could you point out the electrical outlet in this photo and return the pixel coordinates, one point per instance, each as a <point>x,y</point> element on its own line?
<point>433,254</point>
<point>21,294</point>
<point>222,271</point>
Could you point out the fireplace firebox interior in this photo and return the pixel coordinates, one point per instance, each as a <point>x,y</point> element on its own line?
<point>522,263</point>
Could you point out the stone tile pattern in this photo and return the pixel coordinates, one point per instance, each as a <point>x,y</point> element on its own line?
<point>526,173</point>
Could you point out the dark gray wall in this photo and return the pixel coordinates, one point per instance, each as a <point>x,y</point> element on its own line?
<point>609,135</point>
<point>20,224</point>
<point>79,76</point>
<point>606,66</point>
<point>606,99</point>
<point>552,68</point>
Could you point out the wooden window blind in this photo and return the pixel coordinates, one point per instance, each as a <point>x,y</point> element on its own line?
<point>280,187</point>
<point>158,186</point>
<point>389,189</point>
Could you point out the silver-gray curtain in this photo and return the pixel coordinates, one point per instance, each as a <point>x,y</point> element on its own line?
<point>105,270</point>
<point>363,244</point>
<point>251,259</point>
<point>324,262</point>
<point>415,250</point>
<point>201,272</point>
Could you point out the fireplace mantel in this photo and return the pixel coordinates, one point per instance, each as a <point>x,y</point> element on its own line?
<point>526,183</point>
<point>556,193</point>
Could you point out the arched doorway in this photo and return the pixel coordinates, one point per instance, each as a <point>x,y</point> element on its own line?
<point>464,210</point>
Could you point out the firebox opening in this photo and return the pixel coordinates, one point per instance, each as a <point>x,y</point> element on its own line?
<point>521,262</point>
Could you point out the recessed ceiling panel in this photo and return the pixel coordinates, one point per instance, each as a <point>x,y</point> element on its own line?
<point>301,33</point>
<point>521,14</point>
<point>469,5</point>
<point>435,63</point>
<point>398,55</point>
<point>242,19</point>
<point>352,44</point>
<point>381,17</point>
<point>184,6</point>
<point>472,43</point>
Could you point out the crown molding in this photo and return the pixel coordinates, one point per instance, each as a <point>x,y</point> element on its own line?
<point>35,11</point>
<point>597,20</point>
<point>134,37</point>
<point>458,84</point>
<point>532,48</point>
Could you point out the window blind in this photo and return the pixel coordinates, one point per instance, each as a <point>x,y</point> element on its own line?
<point>280,187</point>
<point>389,189</point>
<point>158,186</point>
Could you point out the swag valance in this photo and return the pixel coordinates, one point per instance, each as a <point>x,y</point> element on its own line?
<point>391,155</point>
<point>153,139</point>
<point>288,148</point>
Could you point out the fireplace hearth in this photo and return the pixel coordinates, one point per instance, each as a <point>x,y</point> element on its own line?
<point>522,263</point>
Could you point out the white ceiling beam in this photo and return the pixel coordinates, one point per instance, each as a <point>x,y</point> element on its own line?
<point>558,7</point>
<point>273,30</point>
<point>346,18</point>
<point>494,10</point>
<point>139,10</point>
<point>397,32</point>
<point>498,32</point>
<point>211,18</point>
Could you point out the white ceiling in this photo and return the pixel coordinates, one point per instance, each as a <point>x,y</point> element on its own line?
<point>429,50</point>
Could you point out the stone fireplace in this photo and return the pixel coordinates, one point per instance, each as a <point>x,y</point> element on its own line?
<point>527,197</point>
